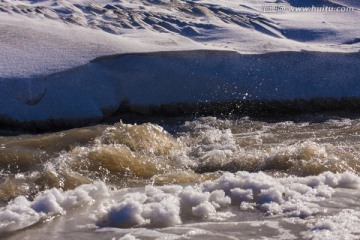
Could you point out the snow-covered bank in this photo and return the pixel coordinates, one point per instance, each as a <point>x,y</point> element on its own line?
<point>47,47</point>
<point>102,85</point>
<point>38,47</point>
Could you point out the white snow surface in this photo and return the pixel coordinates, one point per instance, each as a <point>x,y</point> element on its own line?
<point>42,37</point>
<point>47,46</point>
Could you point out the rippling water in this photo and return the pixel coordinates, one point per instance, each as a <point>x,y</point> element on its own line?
<point>205,178</point>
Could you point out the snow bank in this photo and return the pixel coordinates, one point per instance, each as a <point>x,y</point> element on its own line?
<point>46,72</point>
<point>247,27</point>
<point>101,86</point>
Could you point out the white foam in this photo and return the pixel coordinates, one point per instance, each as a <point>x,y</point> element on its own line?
<point>17,215</point>
<point>204,210</point>
<point>126,214</point>
<point>239,195</point>
<point>21,213</point>
<point>343,225</point>
<point>218,200</point>
<point>291,197</point>
<point>128,237</point>
<point>209,144</point>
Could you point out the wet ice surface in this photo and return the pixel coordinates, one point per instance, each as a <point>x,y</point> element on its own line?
<point>209,178</point>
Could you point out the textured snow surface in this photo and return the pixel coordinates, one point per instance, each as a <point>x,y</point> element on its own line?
<point>41,37</point>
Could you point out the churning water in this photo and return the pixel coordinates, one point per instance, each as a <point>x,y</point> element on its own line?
<point>205,178</point>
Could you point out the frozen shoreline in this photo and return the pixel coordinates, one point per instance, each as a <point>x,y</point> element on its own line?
<point>90,92</point>
<point>167,52</point>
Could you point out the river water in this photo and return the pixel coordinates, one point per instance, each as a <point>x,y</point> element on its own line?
<point>199,178</point>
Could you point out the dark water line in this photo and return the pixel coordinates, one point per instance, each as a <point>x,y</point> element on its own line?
<point>297,110</point>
